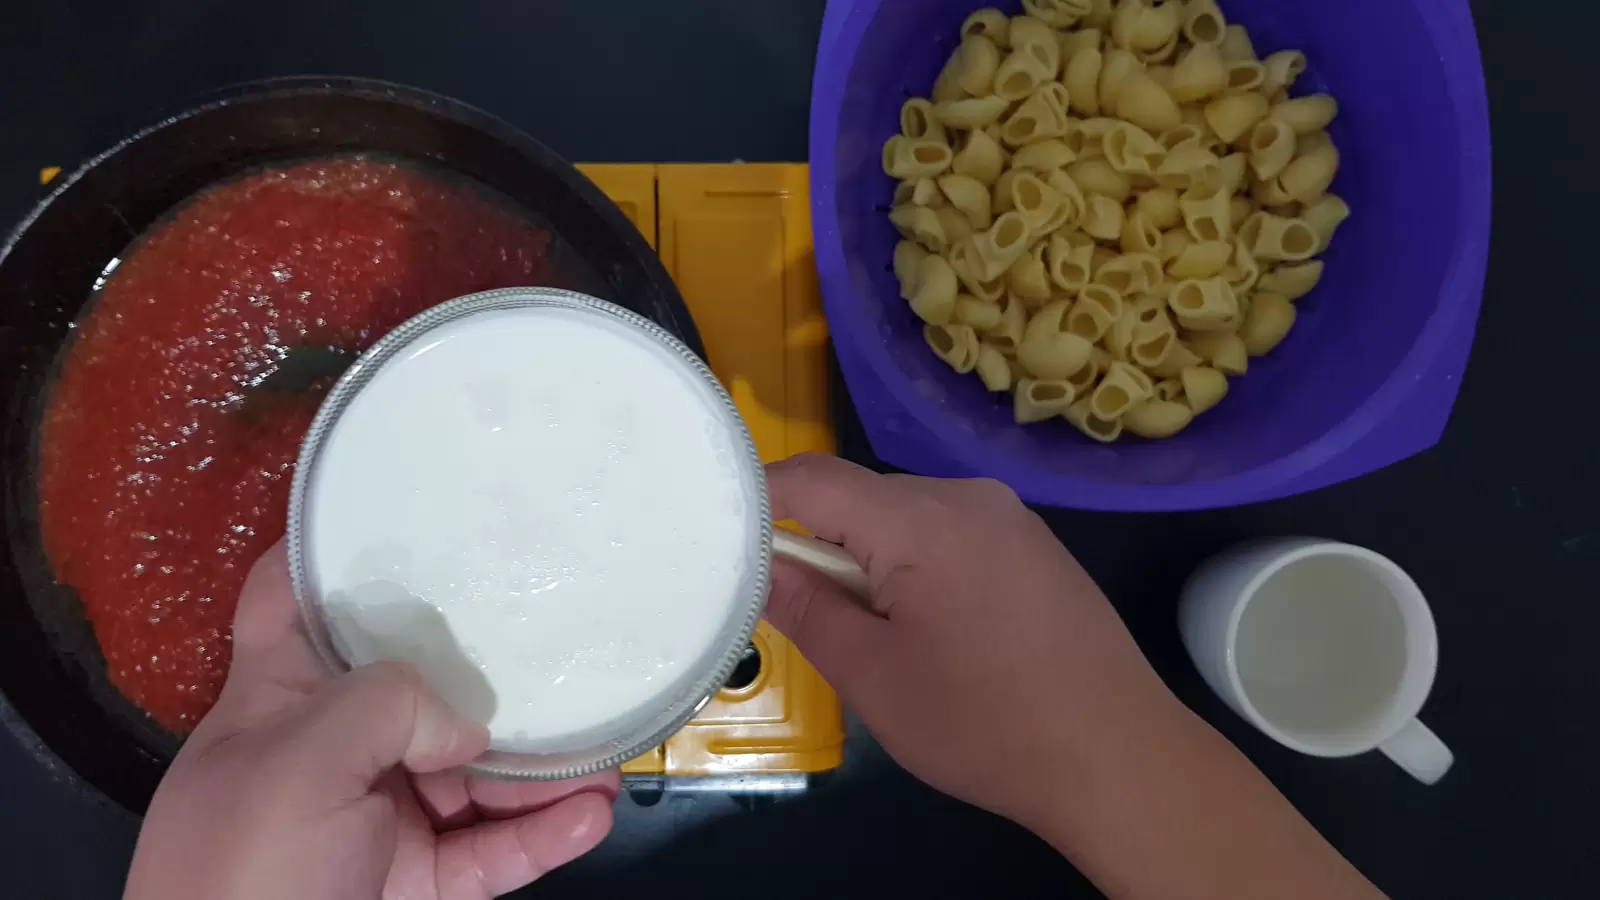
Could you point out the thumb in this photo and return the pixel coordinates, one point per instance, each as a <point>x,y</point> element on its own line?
<point>270,645</point>
<point>834,631</point>
<point>374,718</point>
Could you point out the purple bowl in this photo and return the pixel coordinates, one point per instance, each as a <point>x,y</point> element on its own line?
<point>1370,371</point>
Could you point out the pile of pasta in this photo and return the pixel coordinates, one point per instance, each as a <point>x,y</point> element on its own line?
<point>1109,209</point>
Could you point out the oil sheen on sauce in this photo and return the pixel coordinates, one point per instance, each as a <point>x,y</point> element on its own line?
<point>544,511</point>
<point>158,488</point>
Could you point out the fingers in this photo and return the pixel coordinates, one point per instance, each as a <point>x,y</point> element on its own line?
<point>506,799</point>
<point>273,661</point>
<point>841,502</point>
<point>832,629</point>
<point>375,718</point>
<point>268,638</point>
<point>453,799</point>
<point>443,797</point>
<point>266,613</point>
<point>495,858</point>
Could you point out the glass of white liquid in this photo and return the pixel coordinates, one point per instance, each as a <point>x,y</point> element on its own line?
<point>550,507</point>
<point>1328,648</point>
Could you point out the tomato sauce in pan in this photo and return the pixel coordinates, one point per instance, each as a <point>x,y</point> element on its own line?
<point>159,486</point>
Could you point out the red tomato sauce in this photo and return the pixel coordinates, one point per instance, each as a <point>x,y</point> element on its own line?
<point>157,493</point>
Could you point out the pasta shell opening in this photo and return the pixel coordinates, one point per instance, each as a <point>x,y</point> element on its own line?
<point>1085,324</point>
<point>931,154</point>
<point>891,153</point>
<point>1204,26</point>
<point>1084,378</point>
<point>1298,239</point>
<point>916,119</point>
<point>1068,273</point>
<point>1152,350</point>
<point>1059,13</point>
<point>1246,76</point>
<point>1022,130</point>
<point>1139,235</point>
<point>1107,300</point>
<point>1188,165</point>
<point>1172,137</point>
<point>1102,429</point>
<point>1188,298</point>
<point>1129,149</point>
<point>1009,233</point>
<point>1206,228</point>
<point>1046,392</point>
<point>1034,120</point>
<point>1028,195</point>
<point>1289,65</point>
<point>1055,94</point>
<point>1271,148</point>
<point>1074,139</point>
<point>1118,280</point>
<point>1267,133</point>
<point>1042,55</point>
<point>991,23</point>
<point>1110,401</point>
<point>1151,266</point>
<point>1019,83</point>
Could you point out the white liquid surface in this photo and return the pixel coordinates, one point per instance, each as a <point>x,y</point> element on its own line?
<point>1321,648</point>
<point>544,510</point>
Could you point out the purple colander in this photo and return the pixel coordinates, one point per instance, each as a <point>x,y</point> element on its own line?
<point>1370,371</point>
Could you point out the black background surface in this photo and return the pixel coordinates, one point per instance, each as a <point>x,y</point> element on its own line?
<point>1498,524</point>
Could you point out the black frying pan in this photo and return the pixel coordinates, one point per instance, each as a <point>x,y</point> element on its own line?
<point>54,693</point>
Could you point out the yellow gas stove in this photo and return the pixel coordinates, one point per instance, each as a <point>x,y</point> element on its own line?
<point>737,240</point>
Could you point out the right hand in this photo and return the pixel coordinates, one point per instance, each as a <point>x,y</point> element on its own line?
<point>986,659</point>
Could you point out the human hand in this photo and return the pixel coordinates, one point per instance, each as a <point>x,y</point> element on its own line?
<point>988,661</point>
<point>317,788</point>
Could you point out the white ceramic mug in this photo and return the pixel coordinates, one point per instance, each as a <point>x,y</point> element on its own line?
<point>1329,648</point>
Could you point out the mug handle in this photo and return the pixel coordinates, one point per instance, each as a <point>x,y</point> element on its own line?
<point>829,559</point>
<point>1419,751</point>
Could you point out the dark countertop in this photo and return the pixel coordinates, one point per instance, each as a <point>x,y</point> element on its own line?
<point>1498,524</point>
